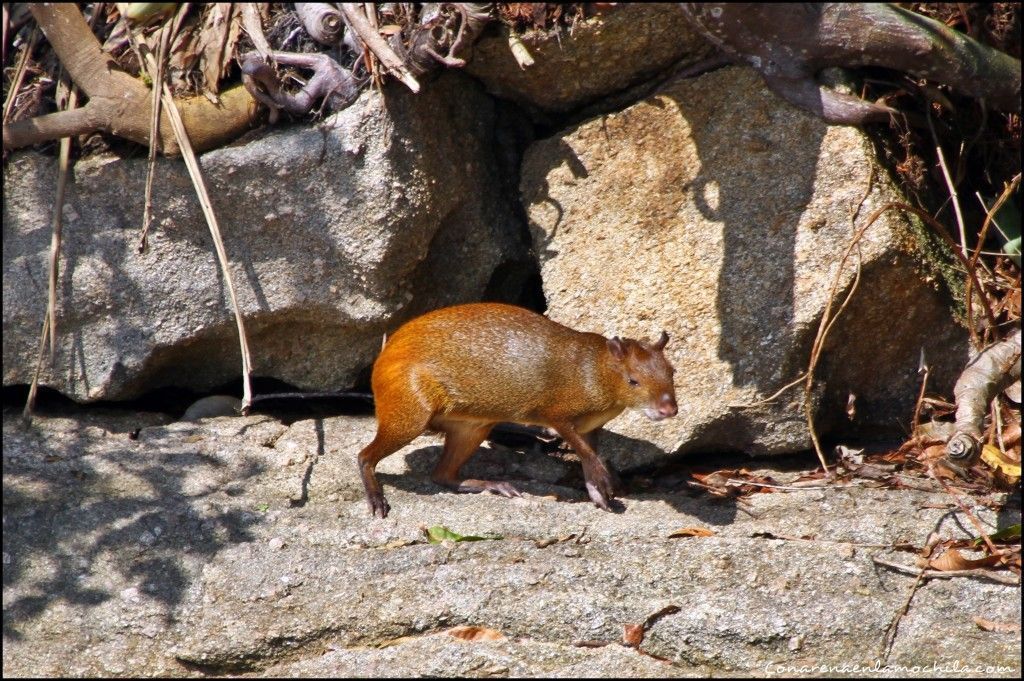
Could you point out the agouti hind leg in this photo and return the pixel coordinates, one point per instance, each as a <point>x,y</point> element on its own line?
<point>460,442</point>
<point>389,439</point>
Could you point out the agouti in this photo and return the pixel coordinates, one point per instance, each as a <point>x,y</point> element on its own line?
<point>460,370</point>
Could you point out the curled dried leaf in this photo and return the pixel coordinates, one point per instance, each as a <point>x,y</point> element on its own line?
<point>632,635</point>
<point>989,625</point>
<point>470,633</point>
<point>952,559</point>
<point>692,532</point>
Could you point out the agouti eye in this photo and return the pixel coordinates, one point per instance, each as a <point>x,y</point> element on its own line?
<point>633,381</point>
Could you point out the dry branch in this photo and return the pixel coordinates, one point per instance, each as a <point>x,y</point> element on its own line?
<point>987,375</point>
<point>377,45</point>
<point>118,103</point>
<point>322,21</point>
<point>330,80</point>
<point>192,163</point>
<point>790,43</point>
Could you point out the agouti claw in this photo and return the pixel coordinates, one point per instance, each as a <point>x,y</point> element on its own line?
<point>379,507</point>
<point>600,499</point>
<point>505,489</point>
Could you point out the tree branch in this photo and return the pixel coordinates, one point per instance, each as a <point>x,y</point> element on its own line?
<point>118,103</point>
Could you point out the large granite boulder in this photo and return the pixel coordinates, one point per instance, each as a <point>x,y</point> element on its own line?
<point>336,235</point>
<point>716,211</point>
<point>602,55</point>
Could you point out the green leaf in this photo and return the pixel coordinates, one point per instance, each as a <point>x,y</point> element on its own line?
<point>440,533</point>
<point>1007,534</point>
<point>1007,223</point>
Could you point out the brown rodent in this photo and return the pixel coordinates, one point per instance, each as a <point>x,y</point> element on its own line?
<point>462,369</point>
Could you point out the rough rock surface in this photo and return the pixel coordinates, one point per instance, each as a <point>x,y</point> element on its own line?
<point>602,55</point>
<point>333,234</point>
<point>241,545</point>
<point>718,212</point>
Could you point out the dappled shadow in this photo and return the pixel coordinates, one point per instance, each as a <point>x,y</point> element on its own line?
<point>78,516</point>
<point>543,474</point>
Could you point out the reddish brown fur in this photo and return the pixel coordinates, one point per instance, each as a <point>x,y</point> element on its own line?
<point>462,369</point>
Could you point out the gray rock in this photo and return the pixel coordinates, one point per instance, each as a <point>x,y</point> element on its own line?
<point>600,56</point>
<point>336,235</point>
<point>258,570</point>
<point>444,655</point>
<point>719,213</point>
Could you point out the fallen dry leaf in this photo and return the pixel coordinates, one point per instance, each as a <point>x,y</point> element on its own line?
<point>691,532</point>
<point>632,635</point>
<point>469,633</point>
<point>989,625</point>
<point>952,559</point>
<point>1011,438</point>
<point>995,460</point>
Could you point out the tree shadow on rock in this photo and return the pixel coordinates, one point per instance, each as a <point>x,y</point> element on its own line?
<point>78,516</point>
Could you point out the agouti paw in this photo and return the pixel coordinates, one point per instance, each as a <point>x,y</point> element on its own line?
<point>505,489</point>
<point>601,493</point>
<point>378,506</point>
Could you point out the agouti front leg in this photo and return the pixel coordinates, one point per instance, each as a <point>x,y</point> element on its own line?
<point>595,474</point>
<point>460,442</point>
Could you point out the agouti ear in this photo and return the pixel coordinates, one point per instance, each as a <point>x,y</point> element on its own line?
<point>662,342</point>
<point>617,348</point>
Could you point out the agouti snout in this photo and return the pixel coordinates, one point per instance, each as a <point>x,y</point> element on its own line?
<point>462,369</point>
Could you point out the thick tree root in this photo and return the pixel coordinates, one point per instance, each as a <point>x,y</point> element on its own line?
<point>118,103</point>
<point>987,375</point>
<point>790,43</point>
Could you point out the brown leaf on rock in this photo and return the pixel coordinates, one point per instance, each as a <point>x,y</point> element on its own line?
<point>470,633</point>
<point>933,452</point>
<point>691,532</point>
<point>632,635</point>
<point>952,559</point>
<point>1002,627</point>
<point>733,482</point>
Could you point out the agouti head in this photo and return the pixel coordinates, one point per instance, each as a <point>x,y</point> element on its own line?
<point>646,376</point>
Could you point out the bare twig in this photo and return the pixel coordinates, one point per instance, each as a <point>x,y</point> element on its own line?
<point>823,328</point>
<point>30,401</point>
<point>166,37</point>
<point>890,632</point>
<point>971,274</point>
<point>181,135</point>
<point>950,185</point>
<point>796,381</point>
<point>377,45</point>
<point>991,212</point>
<point>19,73</point>
<point>1000,577</point>
<point>67,98</point>
<point>732,482</point>
<point>966,511</point>
<point>923,370</point>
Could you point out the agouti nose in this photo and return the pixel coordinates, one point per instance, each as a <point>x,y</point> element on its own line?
<point>667,406</point>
